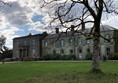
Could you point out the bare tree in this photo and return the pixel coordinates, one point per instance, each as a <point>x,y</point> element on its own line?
<point>2,45</point>
<point>2,2</point>
<point>83,13</point>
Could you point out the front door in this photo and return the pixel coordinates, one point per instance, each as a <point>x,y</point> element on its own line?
<point>80,53</point>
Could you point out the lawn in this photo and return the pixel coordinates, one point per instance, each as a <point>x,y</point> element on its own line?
<point>57,72</point>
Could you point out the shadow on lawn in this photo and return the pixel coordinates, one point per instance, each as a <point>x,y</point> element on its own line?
<point>74,78</point>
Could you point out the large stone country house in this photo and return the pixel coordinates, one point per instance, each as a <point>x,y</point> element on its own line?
<point>28,46</point>
<point>62,43</point>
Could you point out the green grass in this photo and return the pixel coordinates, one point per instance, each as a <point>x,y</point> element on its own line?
<point>57,72</point>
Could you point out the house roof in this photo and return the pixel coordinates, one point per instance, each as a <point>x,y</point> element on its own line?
<point>64,34</point>
<point>107,28</point>
<point>30,36</point>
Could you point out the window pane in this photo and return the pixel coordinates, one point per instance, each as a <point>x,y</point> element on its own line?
<point>80,50</point>
<point>79,39</point>
<point>71,51</point>
<point>71,41</point>
<point>62,43</point>
<point>88,50</point>
<point>54,51</point>
<point>34,41</point>
<point>88,41</point>
<point>62,51</point>
<point>46,43</point>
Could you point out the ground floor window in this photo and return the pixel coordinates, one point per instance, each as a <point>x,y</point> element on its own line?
<point>62,51</point>
<point>88,50</point>
<point>54,51</point>
<point>107,51</point>
<point>71,51</point>
<point>80,50</point>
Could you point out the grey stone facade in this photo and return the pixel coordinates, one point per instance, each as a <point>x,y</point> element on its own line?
<point>27,46</point>
<point>62,43</point>
<point>79,45</point>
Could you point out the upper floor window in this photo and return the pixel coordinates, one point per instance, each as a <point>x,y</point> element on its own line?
<point>34,41</point>
<point>88,41</point>
<point>46,43</point>
<point>107,37</point>
<point>17,43</point>
<point>71,41</point>
<point>62,42</point>
<point>53,43</point>
<point>79,39</point>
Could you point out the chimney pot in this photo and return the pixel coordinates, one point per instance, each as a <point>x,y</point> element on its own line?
<point>72,28</point>
<point>57,30</point>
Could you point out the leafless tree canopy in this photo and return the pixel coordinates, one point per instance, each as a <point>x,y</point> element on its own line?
<point>80,13</point>
<point>2,41</point>
<point>2,2</point>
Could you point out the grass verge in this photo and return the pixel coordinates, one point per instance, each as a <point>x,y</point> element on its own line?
<point>57,72</point>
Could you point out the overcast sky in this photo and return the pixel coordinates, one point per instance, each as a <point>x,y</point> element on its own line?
<point>24,16</point>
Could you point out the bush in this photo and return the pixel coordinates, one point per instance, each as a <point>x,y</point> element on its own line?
<point>89,56</point>
<point>51,57</point>
<point>8,59</point>
<point>58,57</point>
<point>28,58</point>
<point>113,56</point>
<point>54,56</point>
<point>68,57</point>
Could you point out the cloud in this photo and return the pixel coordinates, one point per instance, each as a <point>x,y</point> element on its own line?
<point>23,13</point>
<point>28,14</point>
<point>9,33</point>
<point>111,20</point>
<point>15,14</point>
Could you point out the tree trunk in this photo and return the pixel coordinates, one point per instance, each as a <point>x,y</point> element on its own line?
<point>96,50</point>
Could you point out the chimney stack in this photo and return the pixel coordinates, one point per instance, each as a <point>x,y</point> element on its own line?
<point>57,30</point>
<point>72,28</point>
<point>45,33</point>
<point>29,34</point>
<point>83,26</point>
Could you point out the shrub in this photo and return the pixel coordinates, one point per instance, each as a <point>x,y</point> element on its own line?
<point>113,56</point>
<point>89,56</point>
<point>8,59</point>
<point>58,57</point>
<point>52,57</point>
<point>67,57</point>
<point>28,58</point>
